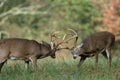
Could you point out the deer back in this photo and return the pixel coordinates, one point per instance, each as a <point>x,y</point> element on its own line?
<point>98,41</point>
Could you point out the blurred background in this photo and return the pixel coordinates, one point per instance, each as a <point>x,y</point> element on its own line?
<point>37,19</point>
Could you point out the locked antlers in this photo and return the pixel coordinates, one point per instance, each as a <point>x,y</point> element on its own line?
<point>63,40</point>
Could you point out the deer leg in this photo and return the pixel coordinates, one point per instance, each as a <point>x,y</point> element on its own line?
<point>81,61</point>
<point>108,52</point>
<point>26,64</point>
<point>34,63</point>
<point>1,65</point>
<point>96,61</point>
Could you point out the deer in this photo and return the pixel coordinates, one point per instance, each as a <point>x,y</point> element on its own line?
<point>29,50</point>
<point>92,45</point>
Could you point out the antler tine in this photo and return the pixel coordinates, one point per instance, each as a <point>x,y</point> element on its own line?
<point>64,37</point>
<point>72,31</point>
<point>53,34</point>
<point>74,36</point>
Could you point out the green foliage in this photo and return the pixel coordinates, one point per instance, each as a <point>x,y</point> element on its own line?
<point>78,14</point>
<point>61,14</point>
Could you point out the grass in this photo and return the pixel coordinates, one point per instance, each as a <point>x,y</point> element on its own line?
<point>51,69</point>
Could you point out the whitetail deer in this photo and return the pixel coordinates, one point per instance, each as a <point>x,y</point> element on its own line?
<point>94,44</point>
<point>27,50</point>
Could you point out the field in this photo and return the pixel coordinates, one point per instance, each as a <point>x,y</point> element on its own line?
<point>62,69</point>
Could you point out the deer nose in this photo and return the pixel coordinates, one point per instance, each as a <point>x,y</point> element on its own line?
<point>74,57</point>
<point>53,56</point>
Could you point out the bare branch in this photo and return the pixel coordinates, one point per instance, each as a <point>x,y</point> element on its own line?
<point>31,10</point>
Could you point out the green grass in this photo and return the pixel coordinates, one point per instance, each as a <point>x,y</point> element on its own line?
<point>51,69</point>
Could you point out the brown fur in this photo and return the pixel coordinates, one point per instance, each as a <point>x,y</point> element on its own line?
<point>27,50</point>
<point>94,44</point>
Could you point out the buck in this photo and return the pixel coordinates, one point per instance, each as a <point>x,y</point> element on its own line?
<point>92,45</point>
<point>28,50</point>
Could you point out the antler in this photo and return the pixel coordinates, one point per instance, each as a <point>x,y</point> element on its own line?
<point>74,35</point>
<point>63,40</point>
<point>53,35</point>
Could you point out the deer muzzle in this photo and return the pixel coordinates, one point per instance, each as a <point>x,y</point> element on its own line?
<point>74,56</point>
